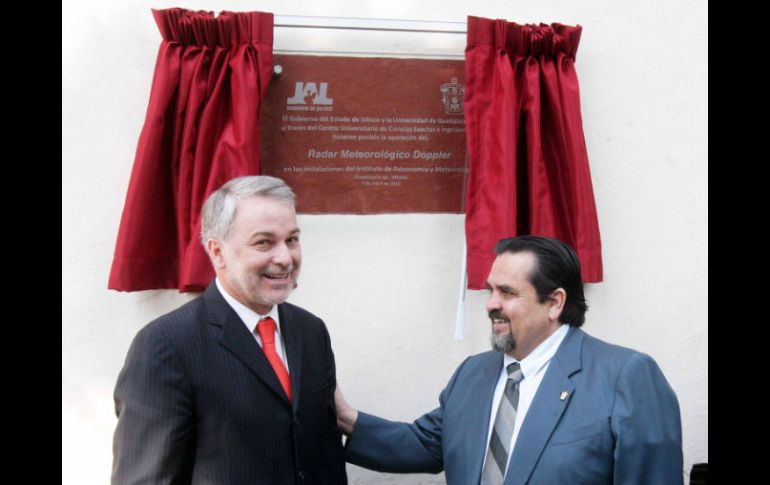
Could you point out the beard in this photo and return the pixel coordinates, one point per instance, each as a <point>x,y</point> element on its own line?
<point>504,343</point>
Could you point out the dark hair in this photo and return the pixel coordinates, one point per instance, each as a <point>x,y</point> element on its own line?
<point>556,266</point>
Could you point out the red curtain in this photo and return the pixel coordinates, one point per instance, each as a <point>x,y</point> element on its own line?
<point>528,164</point>
<point>201,129</point>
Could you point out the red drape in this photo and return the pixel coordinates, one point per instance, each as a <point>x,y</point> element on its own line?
<point>201,129</point>
<point>528,164</point>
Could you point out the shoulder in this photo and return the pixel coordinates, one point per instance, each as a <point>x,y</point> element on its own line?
<point>297,320</point>
<point>295,315</point>
<point>478,364</point>
<point>483,359</point>
<point>606,349</point>
<point>295,312</point>
<point>627,364</point>
<point>610,354</point>
<point>175,325</point>
<point>162,349</point>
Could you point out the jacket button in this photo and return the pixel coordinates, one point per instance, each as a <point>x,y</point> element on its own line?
<point>301,475</point>
<point>296,421</point>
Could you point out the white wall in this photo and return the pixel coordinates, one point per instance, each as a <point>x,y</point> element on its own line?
<point>387,285</point>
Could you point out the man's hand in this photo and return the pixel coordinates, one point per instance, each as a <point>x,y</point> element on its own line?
<point>346,414</point>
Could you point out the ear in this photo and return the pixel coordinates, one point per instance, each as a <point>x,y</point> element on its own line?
<point>215,249</point>
<point>556,303</point>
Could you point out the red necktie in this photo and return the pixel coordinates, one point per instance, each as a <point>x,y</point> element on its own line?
<point>266,330</point>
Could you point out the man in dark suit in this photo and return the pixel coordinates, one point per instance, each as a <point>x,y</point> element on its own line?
<point>207,394</point>
<point>549,405</point>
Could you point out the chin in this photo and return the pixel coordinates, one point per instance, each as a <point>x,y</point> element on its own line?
<point>504,343</point>
<point>277,298</point>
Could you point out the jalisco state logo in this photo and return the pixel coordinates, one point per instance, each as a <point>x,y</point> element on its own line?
<point>310,94</point>
<point>452,94</point>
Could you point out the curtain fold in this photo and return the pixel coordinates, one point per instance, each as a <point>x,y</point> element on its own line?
<point>201,130</point>
<point>528,166</point>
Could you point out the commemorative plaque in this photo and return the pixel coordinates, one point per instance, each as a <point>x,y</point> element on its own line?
<point>363,135</point>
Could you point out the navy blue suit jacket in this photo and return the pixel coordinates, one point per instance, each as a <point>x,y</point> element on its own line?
<point>198,403</point>
<point>618,424</point>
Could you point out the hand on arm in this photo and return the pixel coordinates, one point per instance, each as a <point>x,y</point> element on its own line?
<point>346,414</point>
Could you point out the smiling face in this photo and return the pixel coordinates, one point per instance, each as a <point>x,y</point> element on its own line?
<point>520,322</point>
<point>259,262</point>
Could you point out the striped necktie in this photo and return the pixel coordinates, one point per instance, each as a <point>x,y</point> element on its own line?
<point>498,452</point>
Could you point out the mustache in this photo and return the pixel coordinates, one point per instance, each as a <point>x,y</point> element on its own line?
<point>497,315</point>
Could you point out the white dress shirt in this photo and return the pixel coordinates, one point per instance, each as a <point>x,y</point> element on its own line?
<point>250,318</point>
<point>533,368</point>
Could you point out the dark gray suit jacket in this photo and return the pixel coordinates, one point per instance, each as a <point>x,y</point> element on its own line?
<point>602,415</point>
<point>198,403</point>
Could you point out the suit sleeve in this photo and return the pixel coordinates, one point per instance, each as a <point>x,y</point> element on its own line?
<point>336,473</point>
<point>647,426</point>
<point>395,447</point>
<point>153,438</point>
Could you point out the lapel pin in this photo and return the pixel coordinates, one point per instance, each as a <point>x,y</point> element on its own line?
<point>564,395</point>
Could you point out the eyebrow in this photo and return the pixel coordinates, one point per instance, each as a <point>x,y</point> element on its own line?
<point>506,288</point>
<point>294,232</point>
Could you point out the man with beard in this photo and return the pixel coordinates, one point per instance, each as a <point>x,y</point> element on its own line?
<point>236,386</point>
<point>549,405</point>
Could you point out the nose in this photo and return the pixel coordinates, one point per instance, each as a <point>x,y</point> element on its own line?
<point>493,302</point>
<point>281,255</point>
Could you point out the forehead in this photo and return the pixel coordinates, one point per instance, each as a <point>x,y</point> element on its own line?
<point>263,211</point>
<point>512,269</point>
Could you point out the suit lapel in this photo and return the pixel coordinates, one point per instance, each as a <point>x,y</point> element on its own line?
<point>292,341</point>
<point>546,409</point>
<point>478,417</point>
<point>233,336</point>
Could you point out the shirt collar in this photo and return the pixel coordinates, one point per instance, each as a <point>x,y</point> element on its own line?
<point>248,316</point>
<point>543,353</point>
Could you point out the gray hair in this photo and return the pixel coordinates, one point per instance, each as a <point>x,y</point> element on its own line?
<point>219,210</point>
